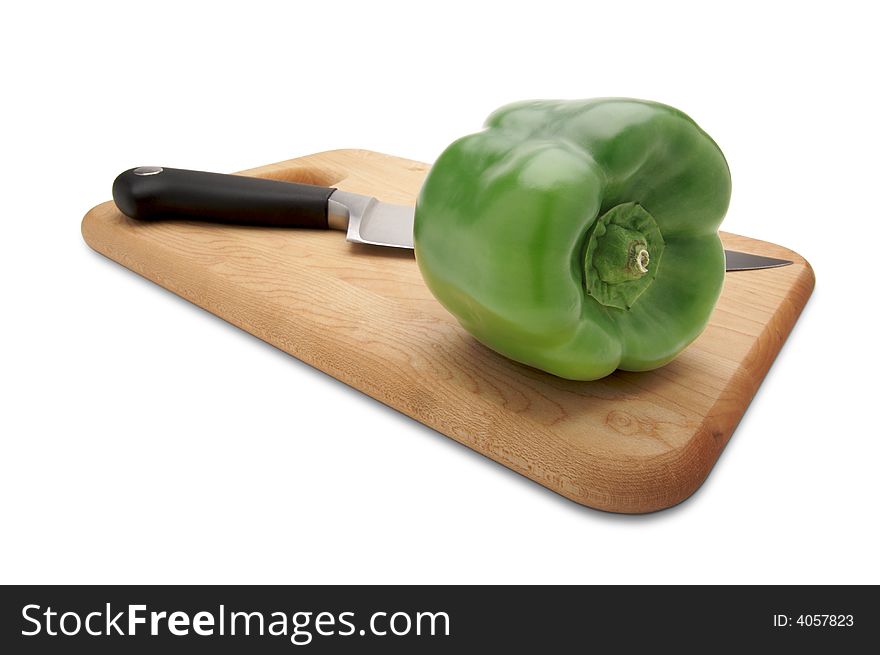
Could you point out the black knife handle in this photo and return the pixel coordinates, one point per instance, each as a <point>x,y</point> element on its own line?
<point>153,192</point>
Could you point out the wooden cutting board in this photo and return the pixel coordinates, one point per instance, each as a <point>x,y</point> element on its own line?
<point>633,442</point>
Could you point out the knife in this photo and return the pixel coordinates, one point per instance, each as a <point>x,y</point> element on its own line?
<point>155,192</point>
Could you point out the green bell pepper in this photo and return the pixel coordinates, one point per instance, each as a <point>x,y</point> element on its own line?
<point>578,237</point>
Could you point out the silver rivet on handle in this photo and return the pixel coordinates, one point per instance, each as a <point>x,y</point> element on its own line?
<point>147,170</point>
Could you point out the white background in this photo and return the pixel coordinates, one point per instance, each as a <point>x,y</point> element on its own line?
<point>144,440</point>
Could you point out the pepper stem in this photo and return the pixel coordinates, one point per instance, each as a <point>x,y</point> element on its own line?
<point>642,261</point>
<point>622,255</point>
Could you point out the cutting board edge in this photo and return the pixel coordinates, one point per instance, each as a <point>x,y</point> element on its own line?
<point>719,425</point>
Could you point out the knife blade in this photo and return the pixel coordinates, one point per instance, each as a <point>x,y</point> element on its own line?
<point>735,260</point>
<point>154,192</point>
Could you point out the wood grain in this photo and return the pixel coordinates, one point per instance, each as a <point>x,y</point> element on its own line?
<point>633,442</point>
